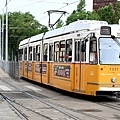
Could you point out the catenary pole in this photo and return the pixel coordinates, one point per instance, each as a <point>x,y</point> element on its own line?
<point>0,37</point>
<point>6,31</point>
<point>2,32</point>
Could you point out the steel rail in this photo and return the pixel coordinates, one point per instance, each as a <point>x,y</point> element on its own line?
<point>55,106</point>
<point>12,101</point>
<point>14,108</point>
<point>43,101</point>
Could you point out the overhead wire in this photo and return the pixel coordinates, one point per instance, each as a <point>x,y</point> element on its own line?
<point>67,4</point>
<point>5,5</point>
<point>36,3</point>
<point>28,4</point>
<point>19,7</point>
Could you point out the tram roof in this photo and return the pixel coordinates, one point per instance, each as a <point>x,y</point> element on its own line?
<point>36,37</point>
<point>76,26</point>
<point>72,27</point>
<point>115,29</point>
<point>115,26</point>
<point>25,41</point>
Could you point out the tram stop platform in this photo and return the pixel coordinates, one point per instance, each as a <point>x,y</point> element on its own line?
<point>6,112</point>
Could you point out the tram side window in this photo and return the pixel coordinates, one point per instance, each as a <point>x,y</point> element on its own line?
<point>50,52</point>
<point>20,54</point>
<point>68,50</point>
<point>25,54</point>
<point>93,50</point>
<point>45,52</point>
<point>77,50</point>
<point>56,51</point>
<point>83,51</point>
<point>30,53</point>
<point>34,54</point>
<point>38,53</point>
<point>62,51</point>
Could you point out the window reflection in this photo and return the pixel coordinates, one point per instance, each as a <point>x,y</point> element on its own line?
<point>109,51</point>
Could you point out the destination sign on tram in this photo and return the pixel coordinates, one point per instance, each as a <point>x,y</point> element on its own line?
<point>105,30</point>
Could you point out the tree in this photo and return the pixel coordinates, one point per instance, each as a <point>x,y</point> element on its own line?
<point>21,26</point>
<point>107,13</point>
<point>79,14</point>
<point>75,16</point>
<point>117,12</point>
<point>81,6</point>
<point>92,15</point>
<point>59,24</point>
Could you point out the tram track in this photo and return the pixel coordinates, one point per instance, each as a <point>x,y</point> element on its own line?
<point>114,106</point>
<point>71,113</point>
<point>17,111</point>
<point>41,100</point>
<point>78,111</point>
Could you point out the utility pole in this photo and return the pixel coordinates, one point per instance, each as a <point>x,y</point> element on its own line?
<point>2,33</point>
<point>0,38</point>
<point>6,31</point>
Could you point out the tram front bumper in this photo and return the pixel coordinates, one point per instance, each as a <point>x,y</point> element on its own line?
<point>108,91</point>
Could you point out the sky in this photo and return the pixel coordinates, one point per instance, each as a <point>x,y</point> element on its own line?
<point>39,8</point>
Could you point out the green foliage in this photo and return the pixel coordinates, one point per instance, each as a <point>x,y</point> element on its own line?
<point>21,26</point>
<point>107,13</point>
<point>59,24</point>
<point>117,13</point>
<point>81,14</point>
<point>81,6</point>
<point>92,15</point>
<point>78,14</point>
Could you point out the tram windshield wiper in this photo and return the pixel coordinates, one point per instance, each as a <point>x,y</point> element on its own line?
<point>116,40</point>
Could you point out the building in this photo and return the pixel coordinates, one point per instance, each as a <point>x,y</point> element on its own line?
<point>101,3</point>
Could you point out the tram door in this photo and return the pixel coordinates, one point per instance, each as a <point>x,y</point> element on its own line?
<point>83,66</point>
<point>80,66</point>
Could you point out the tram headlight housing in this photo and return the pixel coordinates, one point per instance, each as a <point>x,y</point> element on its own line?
<point>113,80</point>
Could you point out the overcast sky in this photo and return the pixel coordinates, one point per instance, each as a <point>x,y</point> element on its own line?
<point>38,8</point>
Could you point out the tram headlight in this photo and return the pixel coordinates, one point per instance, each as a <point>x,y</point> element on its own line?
<point>113,80</point>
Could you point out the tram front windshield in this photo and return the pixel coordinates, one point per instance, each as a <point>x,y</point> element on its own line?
<point>109,50</point>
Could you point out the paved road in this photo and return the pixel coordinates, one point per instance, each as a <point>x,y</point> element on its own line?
<point>6,113</point>
<point>83,109</point>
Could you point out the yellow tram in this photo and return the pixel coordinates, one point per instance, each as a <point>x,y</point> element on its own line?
<point>83,57</point>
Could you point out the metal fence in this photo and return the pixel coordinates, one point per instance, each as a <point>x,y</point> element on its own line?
<point>10,67</point>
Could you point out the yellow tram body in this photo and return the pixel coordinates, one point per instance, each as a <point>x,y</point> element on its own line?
<point>44,58</point>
